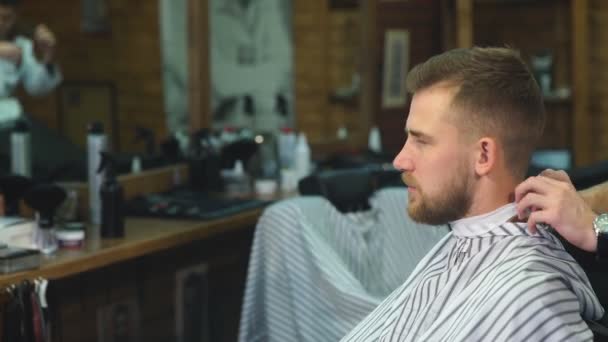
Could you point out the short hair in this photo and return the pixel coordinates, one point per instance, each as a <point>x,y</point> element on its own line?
<point>497,93</point>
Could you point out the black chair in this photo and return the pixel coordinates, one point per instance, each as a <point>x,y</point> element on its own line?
<point>349,189</point>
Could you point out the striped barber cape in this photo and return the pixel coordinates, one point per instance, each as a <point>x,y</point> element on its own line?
<point>314,273</point>
<point>488,282</point>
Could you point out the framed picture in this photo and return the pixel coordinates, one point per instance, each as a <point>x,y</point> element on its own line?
<point>95,17</point>
<point>396,63</point>
<point>192,304</point>
<point>119,322</point>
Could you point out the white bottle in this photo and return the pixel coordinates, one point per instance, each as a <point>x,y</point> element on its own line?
<point>374,143</point>
<point>302,157</point>
<point>96,143</point>
<point>21,150</point>
<point>136,165</point>
<point>236,181</point>
<point>287,144</point>
<point>342,133</point>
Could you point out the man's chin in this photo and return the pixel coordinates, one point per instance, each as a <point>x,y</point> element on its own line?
<point>413,212</point>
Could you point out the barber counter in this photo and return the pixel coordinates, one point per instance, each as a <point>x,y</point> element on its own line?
<point>166,280</point>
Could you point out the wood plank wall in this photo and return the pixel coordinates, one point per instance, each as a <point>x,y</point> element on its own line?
<point>422,20</point>
<point>598,77</point>
<point>531,27</point>
<point>327,49</point>
<point>128,56</point>
<point>325,59</point>
<point>327,41</point>
<point>311,76</point>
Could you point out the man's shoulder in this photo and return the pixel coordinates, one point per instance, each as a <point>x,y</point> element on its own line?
<point>540,254</point>
<point>23,42</point>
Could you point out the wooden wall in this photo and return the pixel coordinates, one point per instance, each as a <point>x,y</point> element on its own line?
<point>422,20</point>
<point>128,57</point>
<point>327,46</point>
<point>532,27</point>
<point>598,77</point>
<point>328,38</point>
<point>331,43</point>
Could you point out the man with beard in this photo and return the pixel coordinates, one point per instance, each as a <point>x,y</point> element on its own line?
<point>475,118</point>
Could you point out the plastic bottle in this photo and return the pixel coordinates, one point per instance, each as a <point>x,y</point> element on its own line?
<point>374,142</point>
<point>21,149</point>
<point>302,157</point>
<point>287,144</point>
<point>342,133</point>
<point>112,198</point>
<point>136,165</point>
<point>96,143</point>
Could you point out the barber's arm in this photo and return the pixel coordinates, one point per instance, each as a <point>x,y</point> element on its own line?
<point>39,72</point>
<point>597,197</point>
<point>10,51</point>
<point>552,199</point>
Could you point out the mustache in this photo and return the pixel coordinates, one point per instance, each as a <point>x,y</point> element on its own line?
<point>409,180</point>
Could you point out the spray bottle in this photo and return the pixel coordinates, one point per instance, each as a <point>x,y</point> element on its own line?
<point>112,198</point>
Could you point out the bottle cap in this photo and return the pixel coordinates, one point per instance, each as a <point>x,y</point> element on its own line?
<point>238,168</point>
<point>265,187</point>
<point>21,126</point>
<point>95,127</point>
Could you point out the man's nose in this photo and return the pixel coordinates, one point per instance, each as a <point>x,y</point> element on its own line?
<point>403,161</point>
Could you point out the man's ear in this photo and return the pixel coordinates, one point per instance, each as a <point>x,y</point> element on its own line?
<point>486,155</point>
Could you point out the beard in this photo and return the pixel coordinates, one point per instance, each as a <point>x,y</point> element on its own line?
<point>453,202</point>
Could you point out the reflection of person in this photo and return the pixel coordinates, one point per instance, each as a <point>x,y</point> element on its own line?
<point>478,113</point>
<point>251,64</point>
<point>551,198</point>
<point>26,58</point>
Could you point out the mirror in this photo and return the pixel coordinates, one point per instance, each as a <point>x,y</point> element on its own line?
<point>250,63</point>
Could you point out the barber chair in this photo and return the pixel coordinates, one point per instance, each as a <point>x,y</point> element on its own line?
<point>349,189</point>
<point>581,177</point>
<point>334,254</point>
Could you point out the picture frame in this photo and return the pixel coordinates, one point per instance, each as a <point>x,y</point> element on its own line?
<point>95,18</point>
<point>396,65</point>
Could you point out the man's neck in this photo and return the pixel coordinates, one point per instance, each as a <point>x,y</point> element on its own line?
<point>491,194</point>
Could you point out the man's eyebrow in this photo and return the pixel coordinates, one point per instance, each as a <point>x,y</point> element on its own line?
<point>417,134</point>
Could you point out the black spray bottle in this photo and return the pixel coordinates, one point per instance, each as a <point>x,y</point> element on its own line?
<point>112,198</point>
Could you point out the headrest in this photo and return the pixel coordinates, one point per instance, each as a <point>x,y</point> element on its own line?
<point>349,189</point>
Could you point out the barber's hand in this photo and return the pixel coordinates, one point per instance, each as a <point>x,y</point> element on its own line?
<point>11,52</point>
<point>552,199</point>
<point>44,44</point>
